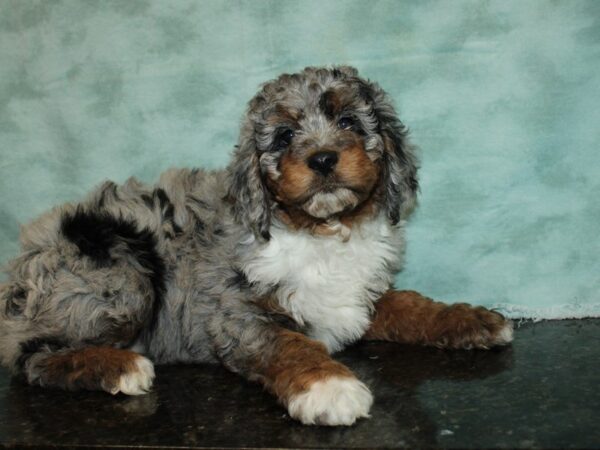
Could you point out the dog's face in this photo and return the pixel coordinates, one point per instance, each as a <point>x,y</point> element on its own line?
<point>313,147</point>
<point>323,143</point>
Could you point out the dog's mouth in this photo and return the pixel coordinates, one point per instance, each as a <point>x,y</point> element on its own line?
<point>331,200</point>
<point>331,185</point>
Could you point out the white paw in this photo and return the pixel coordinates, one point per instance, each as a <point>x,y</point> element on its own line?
<point>138,380</point>
<point>505,335</point>
<point>333,401</point>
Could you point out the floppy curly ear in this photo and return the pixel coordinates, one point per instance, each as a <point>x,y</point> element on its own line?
<point>400,162</point>
<point>246,189</point>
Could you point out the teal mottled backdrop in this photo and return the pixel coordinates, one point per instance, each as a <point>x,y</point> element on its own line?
<point>503,97</point>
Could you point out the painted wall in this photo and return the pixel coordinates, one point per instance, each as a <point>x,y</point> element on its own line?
<point>503,97</point>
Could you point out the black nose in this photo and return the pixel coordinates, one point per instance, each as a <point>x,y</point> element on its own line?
<point>323,162</point>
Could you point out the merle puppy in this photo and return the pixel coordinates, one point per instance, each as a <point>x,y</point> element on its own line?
<point>266,267</point>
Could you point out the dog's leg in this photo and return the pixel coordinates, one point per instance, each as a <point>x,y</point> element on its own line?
<point>64,330</point>
<point>409,317</point>
<point>93,368</point>
<point>88,281</point>
<point>313,387</point>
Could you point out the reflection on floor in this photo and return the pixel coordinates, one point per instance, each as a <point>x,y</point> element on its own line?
<point>541,392</point>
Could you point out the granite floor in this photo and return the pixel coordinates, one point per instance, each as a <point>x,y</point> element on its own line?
<point>542,392</point>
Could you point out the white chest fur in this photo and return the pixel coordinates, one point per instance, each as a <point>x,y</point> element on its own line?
<point>325,283</point>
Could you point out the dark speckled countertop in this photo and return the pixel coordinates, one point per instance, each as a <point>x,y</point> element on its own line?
<point>542,392</point>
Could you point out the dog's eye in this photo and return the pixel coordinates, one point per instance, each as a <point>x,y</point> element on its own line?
<point>284,139</point>
<point>345,123</point>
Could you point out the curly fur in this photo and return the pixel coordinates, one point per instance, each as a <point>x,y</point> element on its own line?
<point>265,267</point>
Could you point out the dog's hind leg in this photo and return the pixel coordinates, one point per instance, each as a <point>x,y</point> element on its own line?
<point>72,344</point>
<point>410,318</point>
<point>93,368</point>
<point>68,337</point>
<point>85,288</point>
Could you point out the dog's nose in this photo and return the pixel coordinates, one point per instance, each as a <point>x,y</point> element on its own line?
<point>323,162</point>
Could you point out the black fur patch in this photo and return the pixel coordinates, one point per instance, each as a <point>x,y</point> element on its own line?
<point>238,280</point>
<point>15,302</point>
<point>148,200</point>
<point>33,346</point>
<point>95,234</point>
<point>329,104</point>
<point>167,209</point>
<point>366,92</point>
<point>169,216</point>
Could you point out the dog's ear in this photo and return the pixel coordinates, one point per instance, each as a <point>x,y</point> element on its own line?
<point>400,163</point>
<point>246,190</point>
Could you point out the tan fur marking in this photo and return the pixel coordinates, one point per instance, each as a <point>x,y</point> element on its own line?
<point>356,169</point>
<point>297,363</point>
<point>295,181</point>
<point>88,368</point>
<point>409,317</point>
<point>271,304</point>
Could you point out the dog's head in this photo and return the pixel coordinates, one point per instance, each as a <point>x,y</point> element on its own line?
<point>321,144</point>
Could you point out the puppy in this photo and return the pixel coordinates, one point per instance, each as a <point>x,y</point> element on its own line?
<point>267,267</point>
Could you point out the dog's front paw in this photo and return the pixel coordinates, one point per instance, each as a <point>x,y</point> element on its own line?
<point>137,379</point>
<point>333,401</point>
<point>463,326</point>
